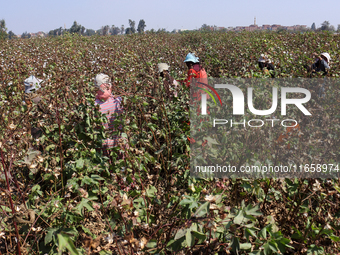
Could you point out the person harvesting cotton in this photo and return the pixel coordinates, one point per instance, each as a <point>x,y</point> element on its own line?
<point>321,63</point>
<point>195,70</point>
<point>265,62</point>
<point>32,85</point>
<point>109,105</point>
<point>169,83</point>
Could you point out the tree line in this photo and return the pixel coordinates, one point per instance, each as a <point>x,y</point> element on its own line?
<point>77,28</point>
<point>325,26</point>
<point>104,30</point>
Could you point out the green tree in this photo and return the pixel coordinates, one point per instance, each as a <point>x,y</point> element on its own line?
<point>76,28</point>
<point>205,27</point>
<point>3,29</point>
<point>56,32</point>
<point>89,32</point>
<point>161,30</point>
<point>326,26</point>
<point>25,35</point>
<point>115,30</point>
<point>105,30</point>
<point>141,26</point>
<point>11,35</point>
<point>60,31</point>
<point>131,29</point>
<point>52,32</point>
<point>313,27</point>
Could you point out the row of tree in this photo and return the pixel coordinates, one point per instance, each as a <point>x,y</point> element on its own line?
<point>10,34</point>
<point>79,29</point>
<point>104,30</point>
<point>114,30</point>
<point>325,26</point>
<point>3,29</point>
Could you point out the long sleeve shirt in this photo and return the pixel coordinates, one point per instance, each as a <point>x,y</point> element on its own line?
<point>111,108</point>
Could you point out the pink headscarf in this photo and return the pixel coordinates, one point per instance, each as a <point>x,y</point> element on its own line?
<point>104,91</point>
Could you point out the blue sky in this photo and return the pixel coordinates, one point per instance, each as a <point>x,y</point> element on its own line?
<point>46,15</point>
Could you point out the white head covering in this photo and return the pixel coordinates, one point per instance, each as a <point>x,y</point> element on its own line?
<point>32,84</point>
<point>327,56</point>
<point>162,67</point>
<point>102,78</point>
<point>264,58</point>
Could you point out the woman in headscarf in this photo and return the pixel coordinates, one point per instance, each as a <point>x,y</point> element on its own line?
<point>195,70</point>
<point>110,105</point>
<point>169,83</point>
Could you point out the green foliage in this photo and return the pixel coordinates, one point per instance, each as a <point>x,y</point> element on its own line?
<point>132,28</point>
<point>66,243</point>
<point>141,26</point>
<point>82,201</point>
<point>76,28</point>
<point>3,29</point>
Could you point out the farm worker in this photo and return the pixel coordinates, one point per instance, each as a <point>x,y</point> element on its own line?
<point>265,62</point>
<point>32,85</point>
<point>110,105</point>
<point>195,70</point>
<point>169,83</point>
<point>321,63</point>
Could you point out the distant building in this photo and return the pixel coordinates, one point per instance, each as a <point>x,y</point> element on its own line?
<point>179,30</point>
<point>274,27</point>
<point>252,27</point>
<point>239,28</point>
<point>219,28</point>
<point>295,27</point>
<point>39,34</point>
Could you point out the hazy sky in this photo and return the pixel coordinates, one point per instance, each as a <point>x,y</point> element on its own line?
<point>46,15</point>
